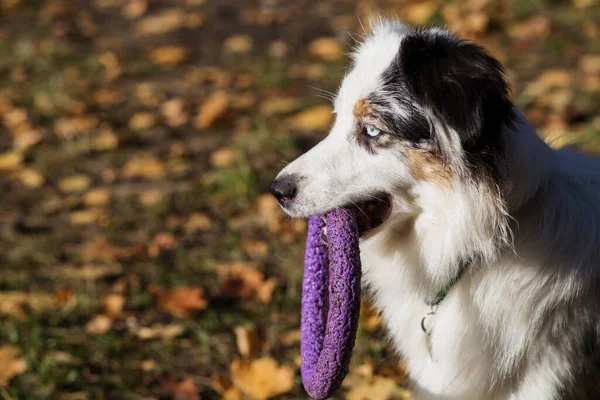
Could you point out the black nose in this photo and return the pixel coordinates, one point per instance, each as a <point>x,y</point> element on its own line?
<point>284,189</point>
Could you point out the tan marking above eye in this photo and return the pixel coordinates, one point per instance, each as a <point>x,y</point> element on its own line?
<point>361,109</point>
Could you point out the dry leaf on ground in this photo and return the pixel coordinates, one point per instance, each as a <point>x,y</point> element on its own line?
<point>11,364</point>
<point>10,161</point>
<point>181,302</point>
<point>238,44</point>
<point>313,119</point>
<point>243,280</point>
<point>99,325</point>
<point>74,183</point>
<point>169,55</point>
<point>16,303</point>
<point>164,22</point>
<point>262,378</point>
<point>247,340</point>
<point>378,388</point>
<point>214,107</point>
<point>326,48</point>
<point>146,167</point>
<point>158,331</point>
<point>88,272</point>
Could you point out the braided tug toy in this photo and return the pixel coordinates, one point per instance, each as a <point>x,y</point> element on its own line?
<point>330,301</point>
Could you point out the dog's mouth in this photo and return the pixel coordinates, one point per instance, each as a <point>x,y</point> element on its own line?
<point>372,213</point>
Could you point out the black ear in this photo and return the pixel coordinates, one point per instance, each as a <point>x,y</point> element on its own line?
<point>460,82</point>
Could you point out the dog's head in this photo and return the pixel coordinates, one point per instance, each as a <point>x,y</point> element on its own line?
<point>418,108</point>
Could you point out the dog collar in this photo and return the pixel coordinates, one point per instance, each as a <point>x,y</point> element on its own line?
<point>434,302</point>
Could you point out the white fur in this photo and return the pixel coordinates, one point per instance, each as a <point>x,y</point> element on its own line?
<point>537,235</point>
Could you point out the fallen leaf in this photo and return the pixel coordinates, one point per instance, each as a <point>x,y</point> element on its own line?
<point>10,161</point>
<point>97,197</point>
<point>142,121</point>
<point>16,303</point>
<point>99,325</point>
<point>313,119</point>
<point>31,178</point>
<point>74,183</point>
<point>135,8</point>
<point>420,13</point>
<point>279,105</point>
<point>113,305</point>
<point>278,49</point>
<point>241,44</point>
<point>85,217</point>
<point>169,55</point>
<point>378,388</point>
<point>11,364</point>
<point>535,27</point>
<point>146,167</point>
<point>262,378</point>
<point>181,302</point>
<point>326,48</point>
<point>158,331</point>
<point>214,107</point>
<point>224,157</point>
<point>198,222</point>
<point>590,64</point>
<point>88,272</point>
<point>174,112</point>
<point>264,293</point>
<point>248,343</point>
<point>164,22</point>
<point>148,365</point>
<point>255,248</point>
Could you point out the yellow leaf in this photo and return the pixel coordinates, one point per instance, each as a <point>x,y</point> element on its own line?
<point>113,304</point>
<point>31,178</point>
<point>248,343</point>
<point>169,55</point>
<point>590,64</point>
<point>10,161</point>
<point>224,157</point>
<point>420,13</point>
<point>135,8</point>
<point>74,183</point>
<point>262,378</point>
<point>238,44</point>
<point>11,364</point>
<point>326,48</point>
<point>14,303</point>
<point>88,272</point>
<point>99,325</point>
<point>314,119</point>
<point>378,388</point>
<point>146,167</point>
<point>198,222</point>
<point>97,197</point>
<point>84,217</point>
<point>164,22</point>
<point>142,121</point>
<point>158,331</point>
<point>214,107</point>
<point>181,302</point>
<point>279,105</point>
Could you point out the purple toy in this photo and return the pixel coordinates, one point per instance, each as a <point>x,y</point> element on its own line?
<point>330,302</point>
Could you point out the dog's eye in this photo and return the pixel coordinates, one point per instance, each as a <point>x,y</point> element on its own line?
<point>372,131</point>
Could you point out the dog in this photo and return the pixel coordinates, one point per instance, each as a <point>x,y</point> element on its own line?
<point>457,198</point>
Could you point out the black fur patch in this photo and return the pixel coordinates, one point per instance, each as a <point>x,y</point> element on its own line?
<point>463,85</point>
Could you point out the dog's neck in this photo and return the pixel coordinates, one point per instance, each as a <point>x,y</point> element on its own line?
<point>526,163</point>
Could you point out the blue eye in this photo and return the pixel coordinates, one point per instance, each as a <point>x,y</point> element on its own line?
<point>372,131</point>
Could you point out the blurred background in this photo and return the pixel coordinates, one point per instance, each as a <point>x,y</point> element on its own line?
<point>140,255</point>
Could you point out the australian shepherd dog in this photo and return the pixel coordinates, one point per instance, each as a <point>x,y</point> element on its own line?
<point>480,244</point>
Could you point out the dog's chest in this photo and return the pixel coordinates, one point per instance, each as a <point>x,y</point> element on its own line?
<point>452,359</point>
